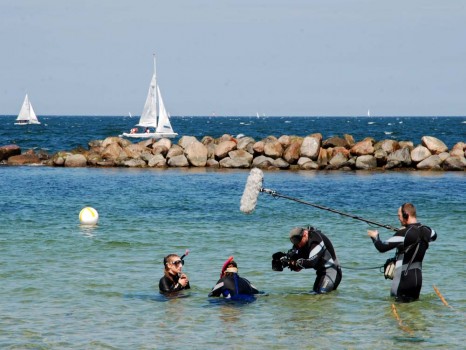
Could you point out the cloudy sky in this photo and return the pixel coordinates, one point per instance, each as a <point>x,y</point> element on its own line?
<point>235,57</point>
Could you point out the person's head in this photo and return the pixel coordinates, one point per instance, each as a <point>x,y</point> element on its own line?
<point>172,264</point>
<point>232,268</point>
<point>407,213</point>
<point>299,236</point>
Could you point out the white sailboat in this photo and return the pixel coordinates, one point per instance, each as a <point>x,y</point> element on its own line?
<point>26,114</point>
<point>154,118</point>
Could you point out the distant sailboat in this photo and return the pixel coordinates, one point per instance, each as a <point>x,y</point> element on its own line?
<point>154,115</point>
<point>368,112</point>
<point>26,114</point>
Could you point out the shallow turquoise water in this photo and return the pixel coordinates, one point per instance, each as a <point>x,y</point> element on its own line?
<point>66,286</point>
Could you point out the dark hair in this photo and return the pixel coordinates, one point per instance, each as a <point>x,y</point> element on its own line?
<point>407,210</point>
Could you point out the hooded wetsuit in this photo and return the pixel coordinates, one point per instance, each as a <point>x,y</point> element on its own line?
<point>167,285</point>
<point>232,285</point>
<point>318,253</point>
<point>411,243</point>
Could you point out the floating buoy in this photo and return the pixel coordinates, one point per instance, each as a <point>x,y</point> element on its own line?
<point>88,216</point>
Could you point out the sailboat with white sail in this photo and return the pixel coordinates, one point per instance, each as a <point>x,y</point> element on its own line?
<point>154,118</point>
<point>26,115</point>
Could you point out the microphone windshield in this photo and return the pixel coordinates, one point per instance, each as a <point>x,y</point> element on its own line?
<point>251,191</point>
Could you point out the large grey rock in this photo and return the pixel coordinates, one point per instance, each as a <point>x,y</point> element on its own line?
<point>434,145</point>
<point>237,159</point>
<point>134,163</point>
<point>76,160</point>
<point>185,141</point>
<point>174,151</point>
<point>196,153</point>
<point>310,147</point>
<point>366,162</point>
<point>419,154</point>
<point>178,161</point>
<point>455,163</point>
<point>401,157</point>
<point>157,161</point>
<point>262,162</point>
<point>246,143</point>
<point>223,148</point>
<point>431,162</point>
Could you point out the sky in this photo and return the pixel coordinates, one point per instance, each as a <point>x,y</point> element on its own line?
<point>235,57</point>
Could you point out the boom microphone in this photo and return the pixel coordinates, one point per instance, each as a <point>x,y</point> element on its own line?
<point>251,191</point>
<point>254,186</point>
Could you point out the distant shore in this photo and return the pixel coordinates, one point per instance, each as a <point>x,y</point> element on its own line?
<point>286,152</point>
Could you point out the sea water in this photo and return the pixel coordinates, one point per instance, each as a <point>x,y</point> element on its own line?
<point>68,286</point>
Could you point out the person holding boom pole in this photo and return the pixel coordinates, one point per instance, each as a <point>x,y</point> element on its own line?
<point>411,243</point>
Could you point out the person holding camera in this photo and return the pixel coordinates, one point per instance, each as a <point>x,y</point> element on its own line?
<point>173,280</point>
<point>311,249</point>
<point>411,243</point>
<point>231,285</point>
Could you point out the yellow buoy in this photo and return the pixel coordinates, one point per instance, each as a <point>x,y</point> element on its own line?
<point>88,216</point>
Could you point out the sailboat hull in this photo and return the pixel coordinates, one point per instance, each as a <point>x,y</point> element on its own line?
<point>150,135</point>
<point>25,122</point>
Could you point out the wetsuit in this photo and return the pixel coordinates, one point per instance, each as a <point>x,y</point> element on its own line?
<point>318,253</point>
<point>233,285</point>
<point>166,285</point>
<point>411,243</point>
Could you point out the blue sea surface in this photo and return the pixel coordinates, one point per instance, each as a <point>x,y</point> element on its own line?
<point>58,133</point>
<point>69,286</point>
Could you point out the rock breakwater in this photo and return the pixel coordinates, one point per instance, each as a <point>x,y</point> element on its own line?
<point>285,152</point>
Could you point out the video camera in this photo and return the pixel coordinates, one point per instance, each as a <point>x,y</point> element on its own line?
<point>281,260</point>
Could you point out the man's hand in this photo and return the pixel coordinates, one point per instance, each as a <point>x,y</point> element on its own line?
<point>373,233</point>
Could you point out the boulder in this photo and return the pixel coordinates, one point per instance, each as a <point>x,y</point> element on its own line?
<point>398,158</point>
<point>246,143</point>
<point>134,150</point>
<point>237,159</point>
<point>455,163</point>
<point>75,160</point>
<point>338,160</point>
<point>196,153</point>
<point>419,154</point>
<point>281,163</point>
<point>362,148</point>
<point>259,147</point>
<point>178,161</point>
<point>323,157</point>
<point>458,150</point>
<point>185,141</point>
<point>310,147</point>
<point>9,151</point>
<point>223,148</point>
<point>262,162</point>
<point>23,159</point>
<point>112,151</point>
<point>432,162</point>
<point>434,145</point>
<point>335,141</point>
<point>293,152</point>
<point>134,163</point>
<point>174,151</point>
<point>381,157</point>
<point>366,162</point>
<point>157,161</point>
<point>212,163</point>
<point>273,148</point>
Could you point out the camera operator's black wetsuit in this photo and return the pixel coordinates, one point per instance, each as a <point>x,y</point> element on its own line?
<point>412,243</point>
<point>318,253</point>
<point>233,285</point>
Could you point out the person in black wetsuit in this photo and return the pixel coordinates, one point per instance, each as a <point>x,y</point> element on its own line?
<point>313,249</point>
<point>411,243</point>
<point>173,280</point>
<point>231,285</point>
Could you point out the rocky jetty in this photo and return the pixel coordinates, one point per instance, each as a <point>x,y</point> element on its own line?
<point>286,152</point>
